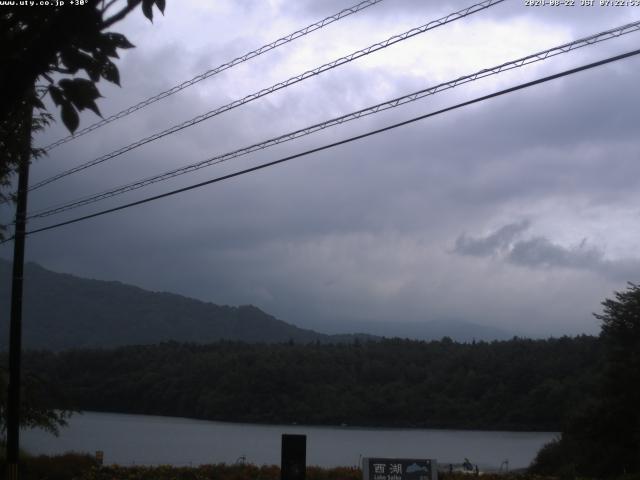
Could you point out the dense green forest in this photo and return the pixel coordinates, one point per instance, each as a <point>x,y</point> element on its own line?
<point>516,384</point>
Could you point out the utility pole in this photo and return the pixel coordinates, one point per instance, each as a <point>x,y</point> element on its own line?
<point>15,328</point>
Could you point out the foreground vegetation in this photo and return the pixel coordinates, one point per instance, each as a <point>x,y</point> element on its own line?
<point>515,385</point>
<point>84,467</point>
<point>601,437</point>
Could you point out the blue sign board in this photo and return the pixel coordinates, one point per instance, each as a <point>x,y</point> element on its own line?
<point>399,469</point>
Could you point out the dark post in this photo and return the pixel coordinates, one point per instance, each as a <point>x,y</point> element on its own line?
<point>15,328</point>
<point>293,463</point>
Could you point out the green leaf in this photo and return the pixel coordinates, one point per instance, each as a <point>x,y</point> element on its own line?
<point>74,59</point>
<point>94,73</point>
<point>81,92</point>
<point>105,47</point>
<point>110,73</point>
<point>37,103</point>
<point>147,8</point>
<point>56,95</point>
<point>119,40</point>
<point>69,116</point>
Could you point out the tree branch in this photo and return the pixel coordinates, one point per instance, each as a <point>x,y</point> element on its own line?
<point>107,6</point>
<point>120,15</point>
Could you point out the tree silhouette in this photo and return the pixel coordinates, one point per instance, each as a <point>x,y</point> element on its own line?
<point>37,409</point>
<point>57,47</point>
<point>603,439</point>
<point>621,378</point>
<point>43,43</point>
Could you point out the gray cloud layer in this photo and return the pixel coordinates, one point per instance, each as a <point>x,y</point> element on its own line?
<point>540,252</point>
<point>496,242</point>
<point>364,231</point>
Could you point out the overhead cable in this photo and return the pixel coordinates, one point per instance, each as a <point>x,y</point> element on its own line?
<point>278,86</point>
<point>341,142</point>
<point>536,57</point>
<point>214,71</point>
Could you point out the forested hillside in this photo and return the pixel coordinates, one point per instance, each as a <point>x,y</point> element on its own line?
<point>516,384</point>
<point>63,311</point>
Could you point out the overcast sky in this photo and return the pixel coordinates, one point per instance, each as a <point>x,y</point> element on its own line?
<point>521,212</point>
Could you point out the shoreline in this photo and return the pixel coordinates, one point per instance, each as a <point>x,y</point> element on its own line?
<point>355,427</point>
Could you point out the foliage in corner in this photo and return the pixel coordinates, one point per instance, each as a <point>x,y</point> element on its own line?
<point>36,44</point>
<point>603,439</point>
<point>62,52</point>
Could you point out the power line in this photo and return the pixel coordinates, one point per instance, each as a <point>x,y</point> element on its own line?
<point>278,86</point>
<point>539,56</point>
<point>214,71</point>
<point>341,142</point>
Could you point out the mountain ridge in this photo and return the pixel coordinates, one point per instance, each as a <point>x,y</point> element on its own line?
<point>64,311</point>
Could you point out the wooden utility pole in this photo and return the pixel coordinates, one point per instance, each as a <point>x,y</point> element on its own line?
<point>15,328</point>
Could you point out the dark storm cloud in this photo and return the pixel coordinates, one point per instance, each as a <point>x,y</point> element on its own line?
<point>540,252</point>
<point>491,244</point>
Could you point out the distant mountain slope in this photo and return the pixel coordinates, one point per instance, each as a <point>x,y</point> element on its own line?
<point>62,311</point>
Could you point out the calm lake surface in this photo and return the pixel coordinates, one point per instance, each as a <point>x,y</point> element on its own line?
<point>148,440</point>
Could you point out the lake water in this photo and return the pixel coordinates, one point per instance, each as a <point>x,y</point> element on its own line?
<point>148,440</point>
